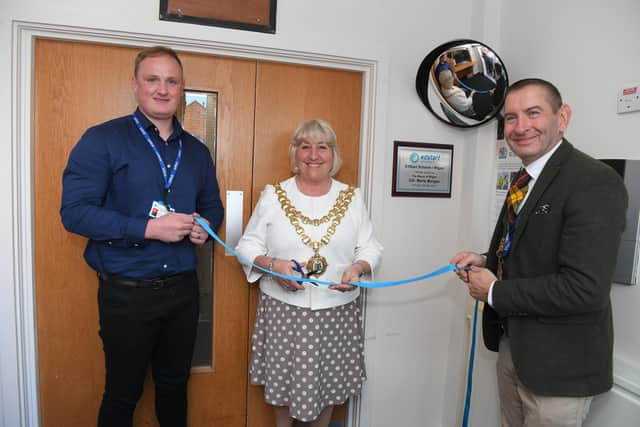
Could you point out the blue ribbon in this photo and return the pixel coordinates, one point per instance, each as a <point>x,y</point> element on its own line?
<point>369,285</point>
<point>450,267</point>
<point>472,352</point>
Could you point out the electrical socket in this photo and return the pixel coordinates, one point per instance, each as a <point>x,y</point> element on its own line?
<point>629,99</point>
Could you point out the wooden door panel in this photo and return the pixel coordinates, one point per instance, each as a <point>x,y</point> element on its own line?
<point>217,396</point>
<point>78,85</point>
<point>286,95</point>
<point>66,103</point>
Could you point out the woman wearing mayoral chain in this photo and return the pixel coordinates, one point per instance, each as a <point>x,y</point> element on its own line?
<point>308,343</point>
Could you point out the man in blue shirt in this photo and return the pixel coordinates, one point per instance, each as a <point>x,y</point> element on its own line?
<point>133,186</point>
<point>443,65</point>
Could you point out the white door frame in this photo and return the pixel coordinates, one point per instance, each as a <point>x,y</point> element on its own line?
<point>24,35</point>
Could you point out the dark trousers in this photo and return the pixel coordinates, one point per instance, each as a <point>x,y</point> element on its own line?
<point>142,326</point>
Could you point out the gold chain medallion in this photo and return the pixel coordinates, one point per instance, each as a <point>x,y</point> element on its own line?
<point>317,263</point>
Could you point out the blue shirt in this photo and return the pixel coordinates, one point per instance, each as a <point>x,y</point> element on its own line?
<point>443,66</point>
<point>110,183</point>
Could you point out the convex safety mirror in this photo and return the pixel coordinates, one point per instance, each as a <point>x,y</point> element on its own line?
<point>462,82</point>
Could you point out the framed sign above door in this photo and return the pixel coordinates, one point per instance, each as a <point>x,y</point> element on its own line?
<point>254,15</point>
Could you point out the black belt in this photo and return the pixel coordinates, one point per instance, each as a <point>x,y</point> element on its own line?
<point>156,283</point>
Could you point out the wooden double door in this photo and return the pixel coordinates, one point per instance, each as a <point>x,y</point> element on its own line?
<point>77,85</point>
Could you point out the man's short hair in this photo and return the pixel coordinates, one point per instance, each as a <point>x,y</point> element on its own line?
<point>553,94</point>
<point>153,51</point>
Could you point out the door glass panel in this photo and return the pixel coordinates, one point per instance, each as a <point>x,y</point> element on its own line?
<point>198,115</point>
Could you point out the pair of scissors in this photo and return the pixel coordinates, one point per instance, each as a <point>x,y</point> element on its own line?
<point>302,273</point>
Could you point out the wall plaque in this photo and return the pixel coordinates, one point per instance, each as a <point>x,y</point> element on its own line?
<point>250,15</point>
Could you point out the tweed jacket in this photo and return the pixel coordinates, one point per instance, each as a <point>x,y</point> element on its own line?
<point>554,292</point>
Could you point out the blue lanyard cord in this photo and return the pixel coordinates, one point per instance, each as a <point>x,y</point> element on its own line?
<point>168,180</point>
<point>203,224</point>
<point>472,352</point>
<point>507,237</point>
<point>507,242</point>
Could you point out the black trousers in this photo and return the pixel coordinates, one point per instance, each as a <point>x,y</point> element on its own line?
<point>142,326</point>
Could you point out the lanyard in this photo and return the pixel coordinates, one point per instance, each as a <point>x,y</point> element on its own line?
<point>507,237</point>
<point>168,180</point>
<point>507,242</point>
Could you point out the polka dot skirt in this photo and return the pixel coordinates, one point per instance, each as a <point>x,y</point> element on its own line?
<point>307,360</point>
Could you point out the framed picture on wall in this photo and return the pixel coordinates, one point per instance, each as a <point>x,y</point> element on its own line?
<point>421,169</point>
<point>255,15</point>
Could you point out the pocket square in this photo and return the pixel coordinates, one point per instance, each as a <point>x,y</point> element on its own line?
<point>542,209</point>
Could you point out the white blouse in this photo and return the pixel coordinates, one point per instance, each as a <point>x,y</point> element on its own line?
<point>269,232</point>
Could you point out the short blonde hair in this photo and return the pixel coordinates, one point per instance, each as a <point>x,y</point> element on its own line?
<point>153,51</point>
<point>315,130</point>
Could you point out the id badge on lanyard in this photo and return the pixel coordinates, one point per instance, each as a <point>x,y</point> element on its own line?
<point>161,207</point>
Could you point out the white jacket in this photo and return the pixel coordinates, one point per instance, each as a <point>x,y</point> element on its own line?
<point>269,232</point>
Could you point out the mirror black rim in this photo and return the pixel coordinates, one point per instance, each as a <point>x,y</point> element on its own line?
<point>423,79</point>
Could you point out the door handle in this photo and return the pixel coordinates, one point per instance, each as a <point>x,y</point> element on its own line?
<point>234,211</point>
